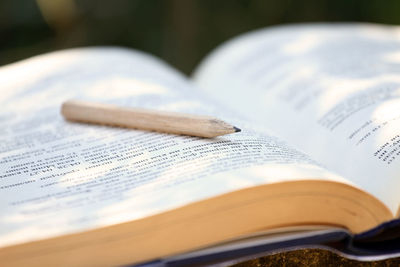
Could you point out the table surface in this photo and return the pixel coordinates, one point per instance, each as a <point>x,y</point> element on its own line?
<point>312,257</point>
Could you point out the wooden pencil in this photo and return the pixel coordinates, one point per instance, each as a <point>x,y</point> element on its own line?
<point>145,119</point>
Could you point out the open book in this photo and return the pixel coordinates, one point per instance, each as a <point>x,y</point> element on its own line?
<point>317,161</point>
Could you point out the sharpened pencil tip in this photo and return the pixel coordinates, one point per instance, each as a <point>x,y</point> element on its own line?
<point>236,129</point>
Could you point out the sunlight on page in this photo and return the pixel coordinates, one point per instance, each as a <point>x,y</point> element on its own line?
<point>393,57</point>
<point>181,105</point>
<point>20,234</point>
<point>304,73</point>
<point>388,109</point>
<point>30,104</point>
<point>165,189</point>
<point>386,119</point>
<point>379,32</point>
<point>120,87</point>
<point>277,173</point>
<point>31,70</point>
<point>140,204</point>
<point>302,44</point>
<point>337,90</point>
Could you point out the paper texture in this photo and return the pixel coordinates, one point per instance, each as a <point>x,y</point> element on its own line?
<point>332,91</point>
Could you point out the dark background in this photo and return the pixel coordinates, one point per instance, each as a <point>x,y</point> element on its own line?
<point>181,32</point>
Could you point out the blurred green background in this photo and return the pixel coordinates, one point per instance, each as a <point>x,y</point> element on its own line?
<point>181,32</point>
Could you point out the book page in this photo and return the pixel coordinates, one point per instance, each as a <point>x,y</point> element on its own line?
<point>333,91</point>
<point>59,177</point>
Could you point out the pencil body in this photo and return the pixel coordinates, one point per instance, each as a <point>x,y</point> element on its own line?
<point>144,119</point>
